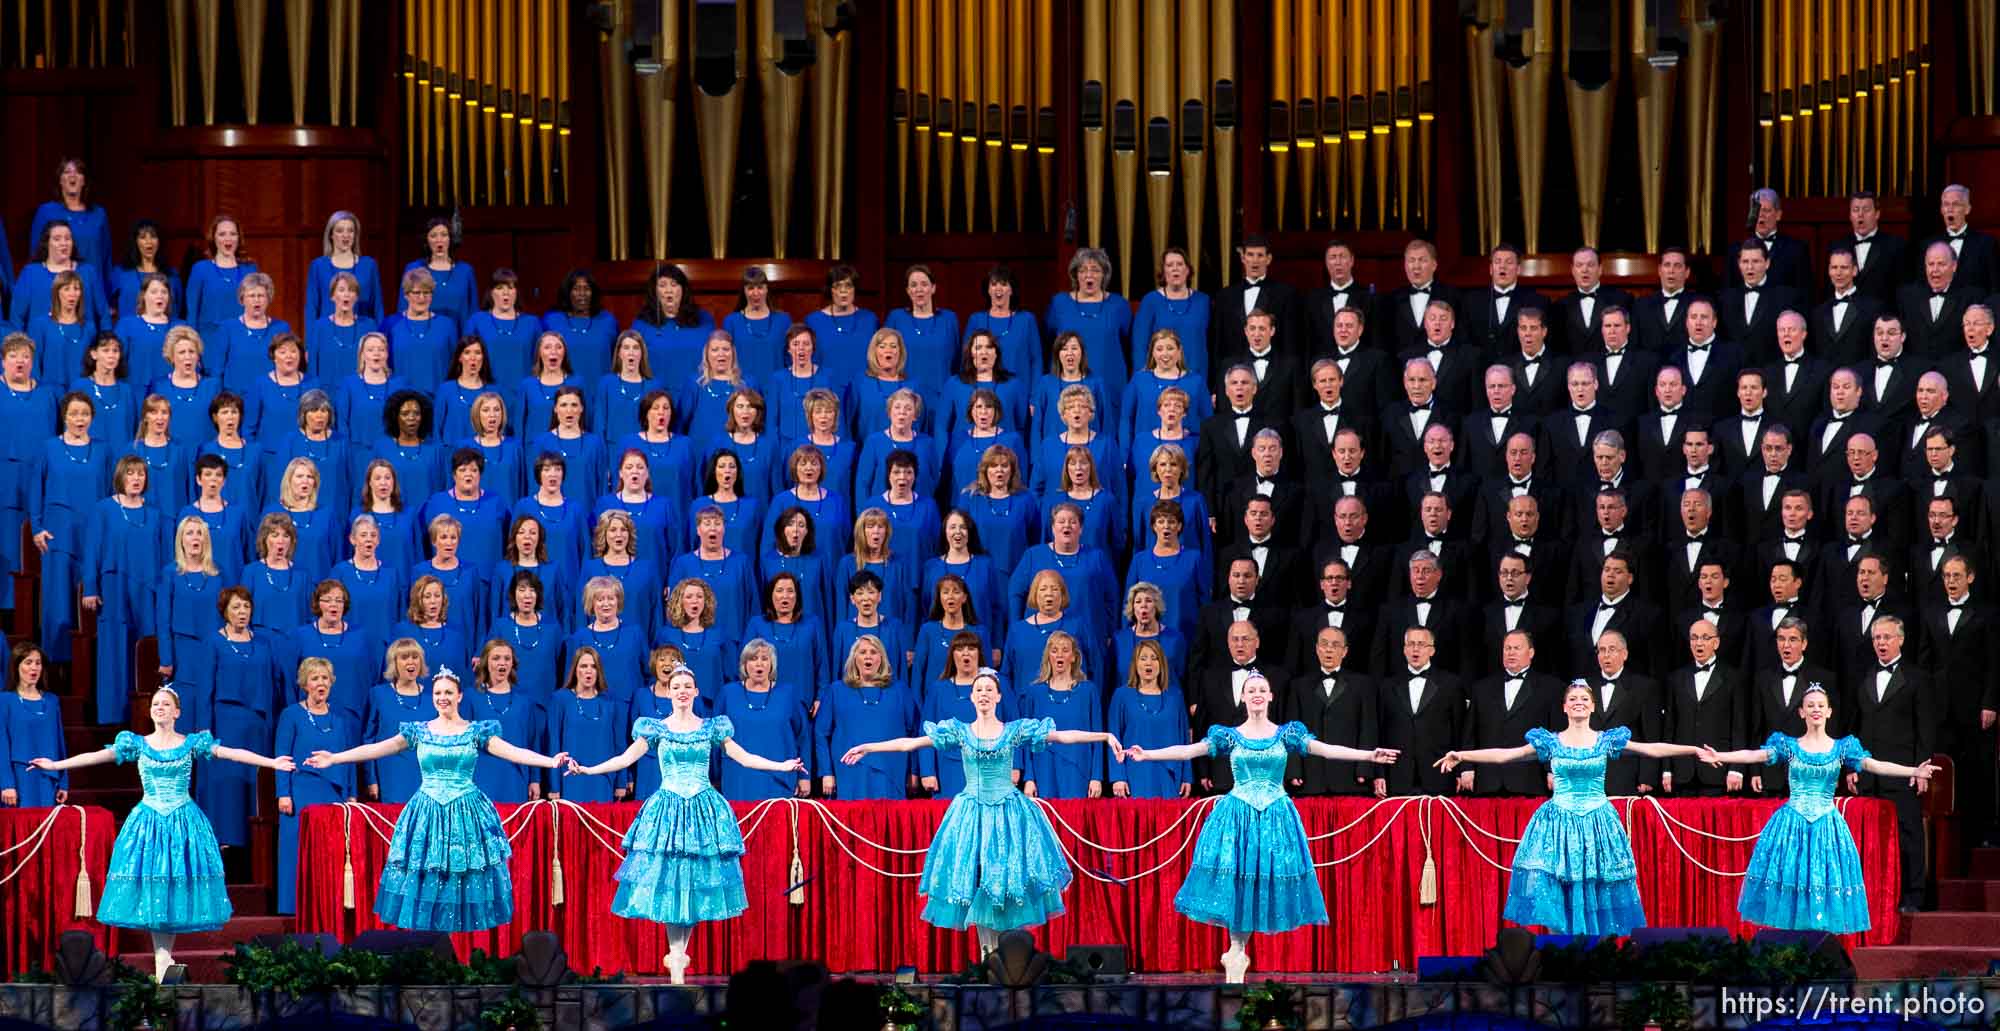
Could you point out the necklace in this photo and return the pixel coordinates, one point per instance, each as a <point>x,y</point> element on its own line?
<point>313,721</point>
<point>593,713</point>
<point>751,695</point>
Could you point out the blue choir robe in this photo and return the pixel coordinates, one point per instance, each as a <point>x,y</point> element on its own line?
<point>145,347</point>
<point>965,450</point>
<point>659,522</point>
<point>871,469</point>
<point>420,349</point>
<point>271,409</point>
<point>868,405</point>
<point>1103,518</point>
<point>850,715</point>
<point>1046,412</point>
<point>733,582</point>
<point>32,730</point>
<point>184,614</point>
<point>188,406</point>
<point>465,593</point>
<point>531,408</point>
<point>1053,452</point>
<point>756,462</point>
<point>614,406</point>
<point>701,408</point>
<point>319,287</point>
<point>358,660</point>
<point>1195,535</point>
<point>988,599</point>
<point>242,489</point>
<point>451,407</point>
<point>506,475</point>
<point>420,469</point>
<point>669,463</point>
<point>1021,350</point>
<point>930,344</point>
<point>558,594</point>
<point>89,228</point>
<point>243,353</point>
<point>1104,325</point>
<point>59,348</point>
<point>402,542</point>
<point>674,351</point>
<point>117,404</point>
<point>915,531</point>
<point>741,522</point>
<point>1187,318</point>
<point>785,400</point>
<point>300,734</point>
<point>376,600</point>
<point>1170,641</point>
<point>1027,640</point>
<point>1139,410</point>
<point>123,292</point>
<point>64,482</point>
<point>591,730</point>
<point>832,521</point>
<point>1008,527</point>
<point>237,687</point>
<point>841,342</point>
<point>445,646</point>
<point>760,343</point>
<point>565,530</point>
<point>841,455</point>
<point>1184,580</point>
<point>640,579</point>
<point>933,647</point>
<point>590,341</point>
<point>897,639</point>
<point>211,295</point>
<point>622,652</point>
<point>123,553</point>
<point>228,534</point>
<point>1149,721</point>
<point>397,777</point>
<point>899,590</point>
<point>333,351</point>
<point>482,524</point>
<point>586,470</point>
<point>955,404</point>
<point>357,406</point>
<point>278,599</point>
<point>801,649</point>
<point>510,343</point>
<point>33,411</point>
<point>1066,772</point>
<point>948,699</point>
<point>815,575</point>
<point>712,654</point>
<point>772,724</point>
<point>538,653</point>
<point>32,296</point>
<point>320,535</point>
<point>523,718</point>
<point>456,289</point>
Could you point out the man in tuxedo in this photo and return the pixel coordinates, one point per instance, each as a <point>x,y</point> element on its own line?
<point>1253,291</point>
<point>1698,471</point>
<point>1842,322</point>
<point>1401,326</point>
<point>1707,701</point>
<point>1513,608</point>
<point>1335,608</point>
<point>1661,317</point>
<point>1426,605</point>
<point>1942,519</point>
<point>1280,567</point>
<point>1978,259</point>
<point>1933,308</point>
<point>1890,388</point>
<point>1339,706</point>
<point>1219,696</point>
<point>1404,423</point>
<point>1824,453</point>
<point>1342,290</point>
<point>1617,607</point>
<point>1315,425</point>
<point>1244,602</point>
<point>1504,707</point>
<point>1580,314</point>
<point>1663,428</point>
<point>1429,534</point>
<point>1609,532</point>
<point>1707,362</point>
<point>1484,433</point>
<point>1266,479</point>
<point>1456,364</point>
<point>1371,377</point>
<point>1796,542</point>
<point>1545,549</point>
<point>1697,542</point>
<point>1538,378</point>
<point>1222,449</point>
<point>1896,708</point>
<point>1714,607</point>
<point>1866,477</point>
<point>1516,478</point>
<point>1567,434</point>
<point>1760,492</point>
<point>1760,632</point>
<point>1422,707</point>
<point>1624,373</point>
<point>1607,460</point>
<point>1352,477</point>
<point>1941,475</point>
<point>1736,435</point>
<point>1487,316</point>
<point>1797,381</point>
<point>1749,312</point>
<point>1877,256</point>
<point>1626,697</point>
<point>1441,475</point>
<point>1854,618</point>
<point>1776,693</point>
<point>1785,255</point>
<point>1973,373</point>
<point>1859,538</point>
<point>1957,651</point>
<point>1281,379</point>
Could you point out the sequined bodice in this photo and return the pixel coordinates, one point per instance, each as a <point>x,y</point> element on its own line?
<point>683,754</point>
<point>989,762</point>
<point>1579,772</point>
<point>164,775</point>
<point>1258,764</point>
<point>1814,776</point>
<point>447,760</point>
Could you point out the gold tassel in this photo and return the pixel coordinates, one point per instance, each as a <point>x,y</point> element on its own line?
<point>347,858</point>
<point>555,846</point>
<point>797,896</point>
<point>1427,892</point>
<point>83,907</point>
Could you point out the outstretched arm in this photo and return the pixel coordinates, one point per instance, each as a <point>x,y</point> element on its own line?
<point>1485,755</point>
<point>894,744</point>
<point>752,760</point>
<point>1088,737</point>
<point>282,763</point>
<point>1887,769</point>
<point>500,749</point>
<point>1385,756</point>
<point>630,755</point>
<point>382,749</point>
<point>1740,757</point>
<point>97,758</point>
<point>1661,749</point>
<point>1175,753</point>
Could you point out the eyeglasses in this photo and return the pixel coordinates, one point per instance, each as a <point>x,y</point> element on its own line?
<point>1336,577</point>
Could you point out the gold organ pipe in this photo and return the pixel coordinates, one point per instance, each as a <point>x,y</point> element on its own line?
<point>1332,112</point>
<point>969,105</point>
<point>1305,106</point>
<point>1125,129</point>
<point>1403,107</point>
<point>946,114</point>
<point>1843,98</point>
<point>1020,103</point>
<point>1807,95</point>
<point>920,108</point>
<point>352,9</point>
<point>1653,90</point>
<point>525,108</point>
<point>489,95</point>
<point>1426,113</point>
<point>1878,100</point>
<point>1898,90</point>
<point>1045,111</point>
<point>410,174</point>
<point>1158,138</point>
<point>452,97</point>
<point>1358,113</point>
<point>561,100</point>
<point>1528,99</point>
<point>469,97</point>
<point>48,32</point>
<point>614,56</point>
<point>1979,33</point>
<point>658,83</point>
<point>1913,144</point>
<point>545,94</point>
<point>75,33</point>
<point>993,116</point>
<point>1483,76</point>
<point>1224,104</point>
<point>840,59</point>
<point>337,42</point>
<point>1590,111</point>
<point>1697,121</point>
<point>1278,122</point>
<point>782,94</point>
<point>207,44</point>
<point>426,71</point>
<point>1194,116</point>
<point>1381,119</point>
<point>1788,78</point>
<point>899,107</point>
<point>177,55</point>
<point>1767,95</point>
<point>298,52</point>
<point>718,119</point>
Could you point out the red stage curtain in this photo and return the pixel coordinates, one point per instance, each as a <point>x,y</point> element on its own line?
<point>858,920</point>
<point>41,897</point>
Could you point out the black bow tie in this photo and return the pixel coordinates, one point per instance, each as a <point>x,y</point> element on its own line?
<point>1589,294</point>
<point>1795,359</point>
<point>1244,667</point>
<point>1582,411</point>
<point>1864,239</point>
<point>1938,293</point>
<point>1252,283</point>
<point>1514,603</point>
<point>1753,289</point>
<point>1610,682</point>
<point>1243,415</point>
<point>1509,292</point>
<point>1885,363</point>
<point>1425,407</point>
<point>1605,606</point>
<point>1324,410</point>
<point>1699,347</point>
<point>1959,604</point>
<point>1335,606</point>
<point>1696,538</point>
<point>1502,413</point>
<point>1838,416</point>
<point>1531,361</point>
<point>1935,543</point>
<point>1954,234</point>
<point>1888,667</point>
<point>1842,299</point>
<point>1851,539</point>
<point>1704,667</point>
<point>1415,290</point>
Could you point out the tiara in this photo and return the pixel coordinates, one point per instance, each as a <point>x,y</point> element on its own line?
<point>681,667</point>
<point>446,673</point>
<point>1815,687</point>
<point>170,689</point>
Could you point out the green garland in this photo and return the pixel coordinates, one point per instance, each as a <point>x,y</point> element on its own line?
<point>512,1013</point>
<point>141,1002</point>
<point>1267,1003</point>
<point>296,970</point>
<point>900,1009</point>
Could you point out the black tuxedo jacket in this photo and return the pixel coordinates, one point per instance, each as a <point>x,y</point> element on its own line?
<point>1379,497</point>
<point>1631,390</point>
<point>1642,505</point>
<point>1714,391</point>
<point>1726,433</point>
<point>1883,272</point>
<point>1677,590</point>
<point>1483,451</point>
<point>1210,648</point>
<point>1934,338</point>
<point>1345,715</point>
<point>1288,505</point>
<point>1926,585</point>
<point>1460,489</point>
<point>1756,521</point>
<point>1801,403</point>
<point>1490,515</point>
<point>1371,384</point>
<point>1396,327</point>
<point>1461,371</point>
<point>1828,464</point>
<point>1404,444</point>
<point>1423,735</point>
<point>1773,708</point>
<point>1368,564</point>
<point>1730,625</point>
<point>1494,724</point>
<point>1357,621</point>
<point>1284,386</point>
<point>1546,391</point>
<point>1542,622</point>
<point>1962,659</point>
<point>1586,564</point>
<point>1760,650</point>
<point>1790,265</point>
<point>1564,453</point>
<point>1315,455</point>
<point>1218,459</point>
<point>1449,627</point>
<point>1658,451</point>
<point>1719,715</point>
<point>1653,328</point>
<point>1854,651</point>
<point>1549,556</point>
<point>1479,320</point>
<point>1975,398</point>
<point>1968,493</point>
<point>1901,726</point>
<point>1978,260</point>
<point>1898,394</point>
<point>1636,618</point>
<point>1226,318</point>
<point>1907,443</point>
<point>1573,334</point>
<point>1320,305</point>
<point>1635,704</point>
<point>1853,343</point>
<point>1759,336</point>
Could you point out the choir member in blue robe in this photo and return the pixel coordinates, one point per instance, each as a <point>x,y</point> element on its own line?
<point>54,254</point>
<point>243,343</point>
<point>871,469</point>
<point>241,463</point>
<point>522,713</point>
<point>692,623</point>
<point>585,463</point>
<point>823,434</point>
<point>469,376</point>
<point>808,491</point>
<point>123,552</point>
<point>1175,306</point>
<point>675,328</point>
<point>311,522</point>
<point>796,552</point>
<point>886,373</point>
<point>1102,318</point>
<point>143,258</point>
<point>466,591</point>
<point>63,330</point>
<point>1149,711</point>
<point>481,515</point>
<point>1053,613</point>
<point>531,402</point>
<point>1165,369</point>
<point>617,640</point>
<point>1019,335</point>
<point>456,283</point>
<point>840,329</point>
<point>588,724</point>
<point>584,324</point>
<point>375,591</point>
<point>868,703</point>
<point>309,725</point>
<point>867,618</point>
<point>1075,481</point>
<point>356,656</point>
<point>399,527</point>
<point>144,329</point>
<point>1166,479</point>
<point>669,455</point>
<point>948,695</point>
<point>930,334</point>
<point>526,550</point>
<point>981,369</point>
<point>184,606</point>
<point>1061,692</point>
<point>505,473</point>
<point>401,699</point>
<point>786,387</point>
<point>969,443</point>
<point>1182,575</point>
<point>564,522</point>
<point>536,639</point>
<point>189,393</point>
<point>70,474</point>
<point>653,700</point>
<point>1093,586</point>
<point>742,515</point>
<point>279,590</point>
<point>340,251</point>
<point>1070,369</point>
<point>509,335</point>
<point>914,525</point>
<point>1078,430</point>
<point>31,407</point>
<point>796,635</point>
<point>772,714</point>
<point>617,400</point>
<point>428,622</point>
<point>615,554</point>
<point>421,339</point>
<point>409,446</point>
<point>951,617</point>
<point>360,398</point>
<point>965,557</point>
<point>333,340</point>
<point>659,530</point>
<point>1008,518</point>
<point>31,725</point>
<point>88,224</point>
<point>874,551</point>
<point>228,523</point>
<point>703,400</point>
<point>758,330</point>
<point>212,282</point>
<point>1145,612</point>
<point>235,688</point>
<point>755,449</point>
<point>114,399</point>
<point>726,571</point>
<point>167,460</point>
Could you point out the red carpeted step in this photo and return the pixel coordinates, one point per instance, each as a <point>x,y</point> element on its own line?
<point>1899,962</point>
<point>250,899</point>
<point>1966,896</point>
<point>1984,864</point>
<point>204,965</point>
<point>1969,930</point>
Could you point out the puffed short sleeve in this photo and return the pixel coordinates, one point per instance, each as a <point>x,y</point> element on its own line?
<point>126,747</point>
<point>1543,742</point>
<point>1220,740</point>
<point>1778,748</point>
<point>1034,734</point>
<point>1296,737</point>
<point>484,731</point>
<point>720,728</point>
<point>945,733</point>
<point>202,744</point>
<point>1614,740</point>
<point>411,733</point>
<point>1852,753</point>
<point>647,728</point>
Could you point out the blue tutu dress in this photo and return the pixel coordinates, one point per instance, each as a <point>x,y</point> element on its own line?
<point>1806,872</point>
<point>1573,870</point>
<point>447,865</point>
<point>1252,871</point>
<point>684,854</point>
<point>994,862</point>
<point>166,869</point>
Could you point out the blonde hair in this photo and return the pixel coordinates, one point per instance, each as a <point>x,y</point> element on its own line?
<point>182,563</point>
<point>988,459</point>
<point>178,334</point>
<point>401,648</point>
<point>678,616</point>
<point>417,595</point>
<point>755,647</point>
<point>874,369</point>
<point>285,498</point>
<point>1075,657</point>
<point>1062,478</point>
<point>1164,334</point>
<point>596,586</point>
<point>1132,679</point>
<point>326,236</point>
<point>273,524</point>
<point>862,522</point>
<point>312,665</point>
<point>599,537</point>
<point>850,669</point>
<point>1035,587</point>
